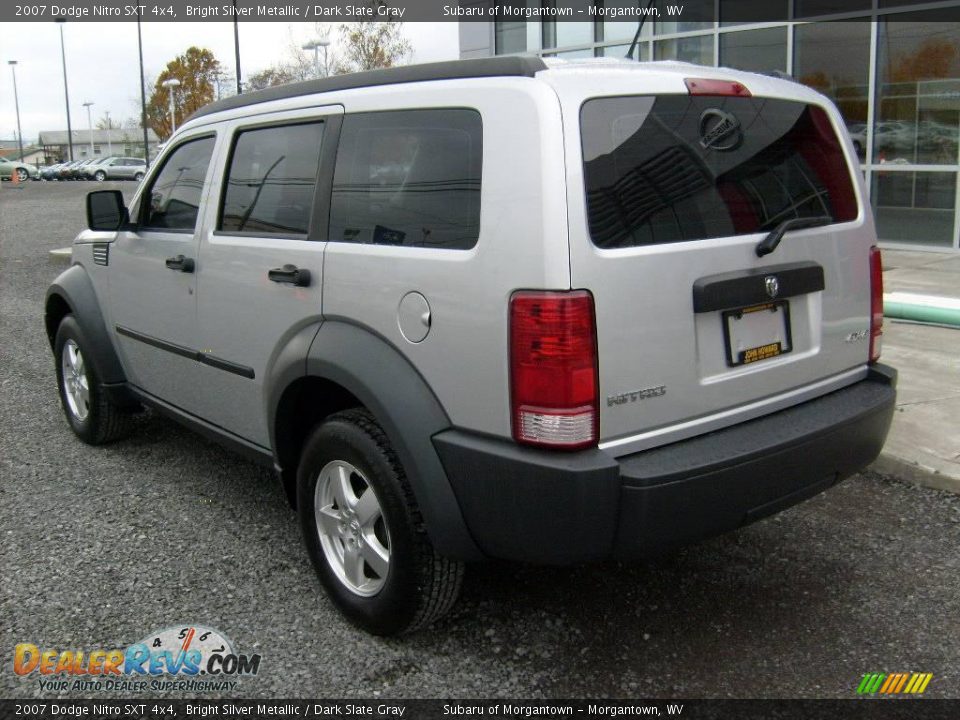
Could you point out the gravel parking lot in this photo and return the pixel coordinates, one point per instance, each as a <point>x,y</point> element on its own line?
<point>101,546</point>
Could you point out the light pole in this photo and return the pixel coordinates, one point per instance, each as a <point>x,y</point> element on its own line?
<point>172,84</point>
<point>315,45</point>
<point>236,45</point>
<point>109,130</point>
<point>143,96</point>
<point>16,102</point>
<point>66,94</point>
<point>88,105</point>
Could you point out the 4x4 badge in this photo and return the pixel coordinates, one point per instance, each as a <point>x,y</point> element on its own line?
<point>772,285</point>
<point>719,130</point>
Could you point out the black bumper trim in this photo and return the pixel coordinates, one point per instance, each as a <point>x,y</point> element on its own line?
<point>561,508</point>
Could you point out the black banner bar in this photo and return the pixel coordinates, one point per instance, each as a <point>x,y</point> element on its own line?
<point>110,708</point>
<point>685,11</point>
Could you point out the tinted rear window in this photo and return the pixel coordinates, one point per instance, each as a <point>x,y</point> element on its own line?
<point>678,167</point>
<point>410,178</point>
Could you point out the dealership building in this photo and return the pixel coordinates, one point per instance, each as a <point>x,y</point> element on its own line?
<point>891,66</point>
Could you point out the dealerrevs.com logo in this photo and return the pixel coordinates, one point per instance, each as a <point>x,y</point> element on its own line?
<point>188,657</point>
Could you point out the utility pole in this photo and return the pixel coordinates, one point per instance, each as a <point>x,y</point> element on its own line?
<point>143,97</point>
<point>66,93</point>
<point>109,131</point>
<point>16,102</point>
<point>236,44</point>
<point>315,45</point>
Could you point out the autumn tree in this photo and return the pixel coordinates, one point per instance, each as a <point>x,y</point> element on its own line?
<point>935,58</point>
<point>196,69</point>
<point>274,75</point>
<point>372,45</point>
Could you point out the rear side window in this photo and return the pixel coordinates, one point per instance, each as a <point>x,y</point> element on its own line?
<point>272,180</point>
<point>678,167</point>
<point>408,178</point>
<point>177,189</point>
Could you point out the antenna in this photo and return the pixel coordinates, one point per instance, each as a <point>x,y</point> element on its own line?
<point>636,37</point>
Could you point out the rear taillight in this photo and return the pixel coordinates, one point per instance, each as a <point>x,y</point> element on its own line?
<point>706,86</point>
<point>553,369</point>
<point>876,302</point>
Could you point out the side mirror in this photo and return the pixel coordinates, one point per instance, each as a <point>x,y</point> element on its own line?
<point>106,211</point>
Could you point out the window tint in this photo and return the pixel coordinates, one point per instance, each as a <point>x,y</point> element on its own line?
<point>177,189</point>
<point>408,178</point>
<point>680,167</point>
<point>272,180</point>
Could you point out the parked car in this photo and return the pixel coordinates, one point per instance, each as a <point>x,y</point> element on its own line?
<point>50,172</point>
<point>117,168</point>
<point>77,171</point>
<point>23,171</point>
<point>87,171</point>
<point>526,309</point>
<point>67,169</point>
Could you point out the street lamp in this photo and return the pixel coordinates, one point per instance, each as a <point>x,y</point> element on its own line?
<point>315,45</point>
<point>16,101</point>
<point>172,84</point>
<point>66,94</point>
<point>88,105</point>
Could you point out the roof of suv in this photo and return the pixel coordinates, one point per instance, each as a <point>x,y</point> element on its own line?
<point>503,66</point>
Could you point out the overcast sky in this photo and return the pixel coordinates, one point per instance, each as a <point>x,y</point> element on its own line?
<point>102,64</point>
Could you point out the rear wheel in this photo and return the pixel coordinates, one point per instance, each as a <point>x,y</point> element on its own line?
<point>138,177</point>
<point>100,175</point>
<point>22,175</point>
<point>364,533</point>
<point>91,414</point>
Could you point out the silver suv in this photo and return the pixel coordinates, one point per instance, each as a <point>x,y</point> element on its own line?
<point>541,311</point>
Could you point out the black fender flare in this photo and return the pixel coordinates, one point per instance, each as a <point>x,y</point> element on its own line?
<point>381,378</point>
<point>75,288</point>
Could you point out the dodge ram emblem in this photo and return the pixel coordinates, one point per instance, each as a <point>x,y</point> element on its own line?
<point>772,285</point>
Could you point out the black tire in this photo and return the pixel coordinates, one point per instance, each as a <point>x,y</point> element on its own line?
<point>138,177</point>
<point>100,176</point>
<point>22,175</point>
<point>103,421</point>
<point>419,585</point>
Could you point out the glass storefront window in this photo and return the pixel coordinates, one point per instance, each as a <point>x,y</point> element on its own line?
<point>563,34</point>
<point>697,15</point>
<point>755,50</point>
<point>737,12</point>
<point>572,54</point>
<point>510,37</point>
<point>917,118</point>
<point>813,8</point>
<point>696,49</point>
<point>915,207</point>
<point>834,59</point>
<point>622,30</point>
<point>642,53</point>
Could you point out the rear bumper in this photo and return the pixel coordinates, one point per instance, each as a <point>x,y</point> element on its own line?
<point>559,508</point>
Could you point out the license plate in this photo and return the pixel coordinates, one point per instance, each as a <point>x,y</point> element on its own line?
<point>757,333</point>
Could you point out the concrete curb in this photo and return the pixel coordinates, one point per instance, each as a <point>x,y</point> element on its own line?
<point>937,475</point>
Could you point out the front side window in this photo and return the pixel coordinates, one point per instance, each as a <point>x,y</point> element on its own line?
<point>678,167</point>
<point>176,191</point>
<point>272,180</point>
<point>408,178</point>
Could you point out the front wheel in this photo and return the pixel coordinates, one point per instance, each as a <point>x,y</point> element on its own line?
<point>100,176</point>
<point>138,177</point>
<point>364,532</point>
<point>91,414</point>
<point>22,175</point>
